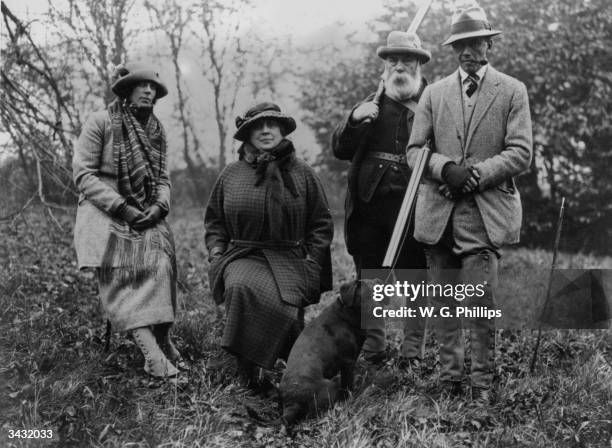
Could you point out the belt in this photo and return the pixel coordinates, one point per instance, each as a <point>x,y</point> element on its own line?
<point>397,158</point>
<point>271,244</point>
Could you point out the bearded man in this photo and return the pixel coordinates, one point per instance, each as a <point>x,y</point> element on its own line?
<point>373,136</point>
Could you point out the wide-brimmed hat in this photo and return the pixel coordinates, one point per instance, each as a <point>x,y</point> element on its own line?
<point>400,42</point>
<point>469,21</point>
<point>259,111</point>
<point>129,74</point>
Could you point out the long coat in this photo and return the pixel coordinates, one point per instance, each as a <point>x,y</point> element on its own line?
<point>236,214</point>
<point>95,177</point>
<point>349,143</point>
<point>266,279</point>
<point>498,144</point>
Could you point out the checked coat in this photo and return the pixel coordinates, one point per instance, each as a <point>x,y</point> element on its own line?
<point>266,280</point>
<point>498,143</point>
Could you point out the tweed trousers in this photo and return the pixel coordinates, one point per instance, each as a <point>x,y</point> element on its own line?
<point>464,255</point>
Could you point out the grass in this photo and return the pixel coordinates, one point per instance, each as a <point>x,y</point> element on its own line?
<point>56,375</point>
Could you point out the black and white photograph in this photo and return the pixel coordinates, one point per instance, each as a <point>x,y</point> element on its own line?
<point>332,223</point>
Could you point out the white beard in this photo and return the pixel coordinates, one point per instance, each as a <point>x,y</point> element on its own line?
<point>402,86</point>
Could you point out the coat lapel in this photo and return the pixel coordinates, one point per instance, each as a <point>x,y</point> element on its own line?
<point>488,93</point>
<point>452,98</point>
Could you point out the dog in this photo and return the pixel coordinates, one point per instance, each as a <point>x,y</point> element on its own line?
<point>330,344</point>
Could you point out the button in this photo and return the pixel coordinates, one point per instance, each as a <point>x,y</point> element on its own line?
<point>394,167</point>
<point>380,166</point>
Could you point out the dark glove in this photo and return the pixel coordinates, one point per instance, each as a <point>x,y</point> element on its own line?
<point>456,176</point>
<point>149,218</point>
<point>128,213</point>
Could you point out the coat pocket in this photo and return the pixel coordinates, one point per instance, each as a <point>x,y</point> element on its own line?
<point>312,281</point>
<point>370,174</point>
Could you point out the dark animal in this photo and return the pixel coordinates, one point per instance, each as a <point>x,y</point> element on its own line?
<point>330,344</point>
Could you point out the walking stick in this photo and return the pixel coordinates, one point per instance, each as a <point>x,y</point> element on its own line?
<point>550,278</point>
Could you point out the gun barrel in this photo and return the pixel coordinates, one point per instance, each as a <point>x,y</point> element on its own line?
<point>401,224</point>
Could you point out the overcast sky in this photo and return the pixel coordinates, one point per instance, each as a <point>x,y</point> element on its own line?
<point>298,18</point>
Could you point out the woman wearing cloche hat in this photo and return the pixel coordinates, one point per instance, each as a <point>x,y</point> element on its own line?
<point>120,169</point>
<point>268,231</point>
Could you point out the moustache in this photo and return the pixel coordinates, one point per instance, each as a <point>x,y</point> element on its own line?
<point>474,61</point>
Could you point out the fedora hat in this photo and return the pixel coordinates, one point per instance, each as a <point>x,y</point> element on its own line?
<point>469,21</point>
<point>400,42</point>
<point>127,75</point>
<point>258,112</point>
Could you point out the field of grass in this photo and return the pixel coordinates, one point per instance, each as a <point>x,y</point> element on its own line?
<point>56,375</point>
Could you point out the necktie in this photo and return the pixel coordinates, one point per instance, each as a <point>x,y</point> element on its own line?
<point>472,81</point>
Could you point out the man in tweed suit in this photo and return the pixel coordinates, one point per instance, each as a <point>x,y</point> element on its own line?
<point>373,136</point>
<point>478,124</point>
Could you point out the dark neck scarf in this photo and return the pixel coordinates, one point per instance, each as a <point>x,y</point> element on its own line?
<point>141,113</point>
<point>272,169</point>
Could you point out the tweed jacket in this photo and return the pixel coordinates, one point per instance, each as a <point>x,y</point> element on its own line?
<point>349,142</point>
<point>95,177</point>
<point>236,211</point>
<point>498,144</point>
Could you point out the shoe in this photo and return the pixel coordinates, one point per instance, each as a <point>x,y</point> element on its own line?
<point>247,373</point>
<point>253,377</point>
<point>162,336</point>
<point>375,359</point>
<point>379,359</point>
<point>156,363</point>
<point>481,396</point>
<point>411,366</point>
<point>451,389</point>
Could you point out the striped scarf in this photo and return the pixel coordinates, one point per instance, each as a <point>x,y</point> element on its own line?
<point>139,154</point>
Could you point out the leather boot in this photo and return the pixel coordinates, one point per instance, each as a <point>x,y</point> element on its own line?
<point>162,336</point>
<point>156,363</point>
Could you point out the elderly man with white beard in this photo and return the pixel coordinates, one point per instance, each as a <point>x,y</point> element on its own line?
<point>373,136</point>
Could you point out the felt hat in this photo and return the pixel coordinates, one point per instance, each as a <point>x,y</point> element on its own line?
<point>468,21</point>
<point>258,112</point>
<point>127,75</point>
<point>400,42</point>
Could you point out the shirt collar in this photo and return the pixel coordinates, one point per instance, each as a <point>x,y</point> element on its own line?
<point>481,72</point>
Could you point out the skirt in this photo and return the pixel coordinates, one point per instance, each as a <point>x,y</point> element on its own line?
<point>153,301</point>
<point>260,327</point>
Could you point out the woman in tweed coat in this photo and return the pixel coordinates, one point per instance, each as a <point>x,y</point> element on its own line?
<point>268,232</point>
<point>120,170</point>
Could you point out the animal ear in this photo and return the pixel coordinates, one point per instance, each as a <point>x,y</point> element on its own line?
<point>367,288</point>
<point>348,292</point>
